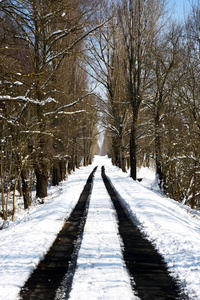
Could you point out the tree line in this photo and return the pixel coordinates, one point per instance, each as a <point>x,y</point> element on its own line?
<point>47,121</point>
<point>52,56</point>
<point>149,63</point>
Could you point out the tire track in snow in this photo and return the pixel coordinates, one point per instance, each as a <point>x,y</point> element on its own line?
<point>101,273</point>
<point>61,257</point>
<point>145,264</point>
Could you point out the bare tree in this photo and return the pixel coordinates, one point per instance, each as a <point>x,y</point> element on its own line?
<point>139,21</point>
<point>106,66</point>
<point>165,69</point>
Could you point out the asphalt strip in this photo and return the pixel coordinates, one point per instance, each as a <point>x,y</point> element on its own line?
<point>61,257</point>
<point>101,254</point>
<point>150,277</point>
<point>101,273</point>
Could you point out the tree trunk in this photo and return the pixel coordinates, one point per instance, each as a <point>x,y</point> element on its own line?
<point>116,152</point>
<point>19,188</point>
<point>63,169</point>
<point>159,169</point>
<point>69,167</point>
<point>133,148</point>
<point>26,189</point>
<point>194,189</point>
<point>76,162</point>
<point>2,188</point>
<point>59,172</point>
<point>128,161</point>
<point>73,167</point>
<point>86,160</point>
<point>41,183</point>
<point>56,173</point>
<point>122,159</point>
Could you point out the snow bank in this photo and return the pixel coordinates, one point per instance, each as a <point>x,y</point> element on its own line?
<point>173,228</point>
<point>25,241</point>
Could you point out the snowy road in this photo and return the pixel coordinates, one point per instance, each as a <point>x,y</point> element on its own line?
<point>172,227</point>
<point>100,270</point>
<point>55,272</point>
<point>100,266</point>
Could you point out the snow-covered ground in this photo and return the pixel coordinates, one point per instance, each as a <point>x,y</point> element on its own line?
<point>100,270</point>
<point>26,240</point>
<point>173,228</point>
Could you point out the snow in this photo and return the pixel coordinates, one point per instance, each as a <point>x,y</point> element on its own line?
<point>27,99</point>
<point>100,266</point>
<point>173,228</point>
<point>25,241</point>
<point>18,83</point>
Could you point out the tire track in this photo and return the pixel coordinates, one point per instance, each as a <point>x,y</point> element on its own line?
<point>151,279</point>
<point>60,261</point>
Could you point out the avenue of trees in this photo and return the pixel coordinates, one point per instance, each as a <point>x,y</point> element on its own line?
<point>149,65</point>
<point>52,56</point>
<point>47,124</point>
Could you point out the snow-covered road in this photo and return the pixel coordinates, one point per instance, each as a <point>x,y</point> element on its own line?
<point>100,270</point>
<point>173,228</point>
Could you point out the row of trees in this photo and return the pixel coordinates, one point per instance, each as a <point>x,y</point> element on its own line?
<point>149,66</point>
<point>47,121</point>
<point>52,52</point>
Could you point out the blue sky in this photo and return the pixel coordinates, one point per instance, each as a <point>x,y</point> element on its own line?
<point>181,7</point>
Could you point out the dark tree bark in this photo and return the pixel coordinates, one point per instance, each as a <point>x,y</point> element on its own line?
<point>86,160</point>
<point>59,172</point>
<point>42,183</point>
<point>133,147</point>
<point>158,151</point>
<point>69,167</point>
<point>56,178</point>
<point>26,189</point>
<point>122,158</point>
<point>63,169</point>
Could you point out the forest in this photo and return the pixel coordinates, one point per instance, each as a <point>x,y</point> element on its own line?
<point>72,69</point>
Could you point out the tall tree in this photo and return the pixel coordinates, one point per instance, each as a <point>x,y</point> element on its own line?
<point>139,21</point>
<point>165,65</point>
<point>107,67</point>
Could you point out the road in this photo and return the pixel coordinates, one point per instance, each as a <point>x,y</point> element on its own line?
<point>92,254</point>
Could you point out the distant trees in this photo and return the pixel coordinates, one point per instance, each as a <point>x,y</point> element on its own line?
<point>166,61</point>
<point>121,62</point>
<point>107,67</point>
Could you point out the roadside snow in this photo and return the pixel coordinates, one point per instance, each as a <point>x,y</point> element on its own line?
<point>100,272</point>
<point>173,228</point>
<point>25,241</point>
